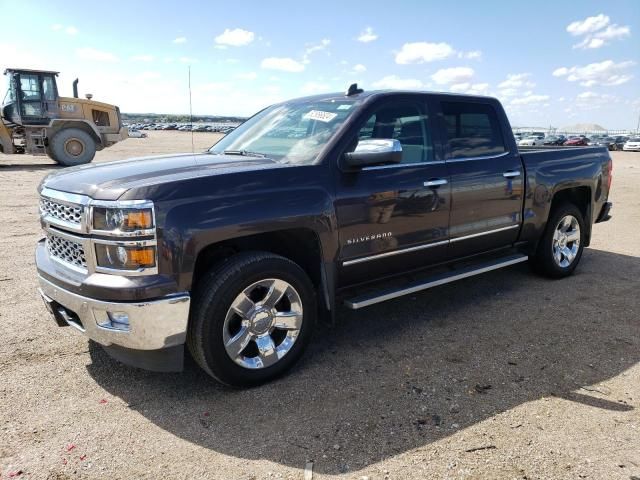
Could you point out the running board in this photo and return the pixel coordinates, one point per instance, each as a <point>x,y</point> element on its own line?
<point>441,279</point>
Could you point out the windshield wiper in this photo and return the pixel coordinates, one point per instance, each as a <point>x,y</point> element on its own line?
<point>244,153</point>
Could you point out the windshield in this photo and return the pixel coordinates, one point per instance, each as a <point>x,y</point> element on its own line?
<point>289,133</point>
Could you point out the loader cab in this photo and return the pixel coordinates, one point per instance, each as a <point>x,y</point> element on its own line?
<point>31,97</point>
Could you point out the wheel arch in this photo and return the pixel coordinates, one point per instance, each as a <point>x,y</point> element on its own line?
<point>60,124</point>
<point>581,197</point>
<point>301,245</point>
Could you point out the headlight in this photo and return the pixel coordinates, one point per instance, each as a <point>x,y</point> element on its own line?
<point>122,219</point>
<point>125,257</point>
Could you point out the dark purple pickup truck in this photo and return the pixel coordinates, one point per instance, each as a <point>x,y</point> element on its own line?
<point>339,199</point>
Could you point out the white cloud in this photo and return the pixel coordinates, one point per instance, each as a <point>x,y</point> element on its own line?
<point>314,47</point>
<point>235,38</point>
<point>180,40</point>
<point>517,80</point>
<point>310,88</point>
<point>69,30</point>
<point>470,88</point>
<point>530,99</point>
<point>472,55</point>
<point>421,52</point>
<point>367,35</point>
<point>593,100</point>
<point>590,42</point>
<point>594,31</point>
<point>614,31</point>
<point>453,75</point>
<point>282,63</point>
<point>588,25</point>
<point>91,54</point>
<point>188,60</point>
<point>606,73</point>
<point>247,76</point>
<point>359,68</point>
<point>397,83</point>
<point>142,58</point>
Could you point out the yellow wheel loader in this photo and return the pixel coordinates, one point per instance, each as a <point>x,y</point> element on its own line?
<point>37,121</point>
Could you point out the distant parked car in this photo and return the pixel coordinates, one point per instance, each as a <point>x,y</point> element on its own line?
<point>632,145</point>
<point>602,142</point>
<point>554,140</point>
<point>137,134</point>
<point>576,141</point>
<point>531,141</point>
<point>618,142</point>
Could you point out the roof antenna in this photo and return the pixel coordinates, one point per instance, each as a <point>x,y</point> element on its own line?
<point>353,90</point>
<point>191,113</point>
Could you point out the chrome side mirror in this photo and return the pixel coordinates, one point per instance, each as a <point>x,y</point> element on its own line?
<point>374,151</point>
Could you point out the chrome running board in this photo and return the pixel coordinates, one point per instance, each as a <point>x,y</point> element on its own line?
<point>440,279</point>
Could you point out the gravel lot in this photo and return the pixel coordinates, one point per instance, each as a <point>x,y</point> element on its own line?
<point>505,375</point>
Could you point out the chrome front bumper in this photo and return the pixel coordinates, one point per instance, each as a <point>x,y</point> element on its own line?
<point>152,324</point>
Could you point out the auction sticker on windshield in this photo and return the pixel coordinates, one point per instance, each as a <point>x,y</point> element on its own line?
<point>320,116</point>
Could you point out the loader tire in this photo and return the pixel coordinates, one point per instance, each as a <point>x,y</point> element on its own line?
<point>72,146</point>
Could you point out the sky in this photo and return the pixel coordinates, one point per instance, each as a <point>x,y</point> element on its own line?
<point>549,63</point>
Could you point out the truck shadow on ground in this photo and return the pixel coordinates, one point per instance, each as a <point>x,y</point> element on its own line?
<point>406,373</point>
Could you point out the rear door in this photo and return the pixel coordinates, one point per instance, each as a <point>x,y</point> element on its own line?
<point>486,178</point>
<point>394,218</point>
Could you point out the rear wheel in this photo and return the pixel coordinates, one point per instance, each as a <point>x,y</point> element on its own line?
<point>251,319</point>
<point>72,146</point>
<point>562,243</point>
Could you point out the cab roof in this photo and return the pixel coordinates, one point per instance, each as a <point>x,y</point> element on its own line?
<point>11,70</point>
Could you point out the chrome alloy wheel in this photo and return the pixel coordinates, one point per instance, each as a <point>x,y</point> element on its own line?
<point>262,323</point>
<point>566,241</point>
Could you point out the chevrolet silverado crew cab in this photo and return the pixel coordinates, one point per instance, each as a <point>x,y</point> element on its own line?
<point>339,199</point>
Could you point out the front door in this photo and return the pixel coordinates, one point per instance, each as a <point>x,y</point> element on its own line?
<point>486,179</point>
<point>394,218</point>
<point>31,104</point>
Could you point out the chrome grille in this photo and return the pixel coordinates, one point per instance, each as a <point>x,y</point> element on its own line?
<point>61,211</point>
<point>66,250</point>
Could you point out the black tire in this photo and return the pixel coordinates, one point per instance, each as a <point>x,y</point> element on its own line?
<point>72,146</point>
<point>212,299</point>
<point>543,262</point>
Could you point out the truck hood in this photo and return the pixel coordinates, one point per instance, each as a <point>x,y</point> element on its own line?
<point>110,180</point>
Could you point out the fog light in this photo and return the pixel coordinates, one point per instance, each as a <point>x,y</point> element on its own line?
<point>119,320</point>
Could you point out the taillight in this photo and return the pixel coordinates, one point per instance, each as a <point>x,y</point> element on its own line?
<point>609,174</point>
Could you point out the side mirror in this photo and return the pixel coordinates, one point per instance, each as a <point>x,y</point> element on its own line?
<point>374,151</point>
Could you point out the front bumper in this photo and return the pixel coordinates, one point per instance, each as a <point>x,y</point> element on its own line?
<point>111,138</point>
<point>152,324</point>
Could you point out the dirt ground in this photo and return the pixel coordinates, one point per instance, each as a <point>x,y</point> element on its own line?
<point>505,375</point>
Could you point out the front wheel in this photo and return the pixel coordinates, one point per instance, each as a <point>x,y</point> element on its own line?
<point>251,319</point>
<point>562,243</point>
<point>72,146</point>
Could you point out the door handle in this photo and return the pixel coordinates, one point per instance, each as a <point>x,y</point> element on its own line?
<point>435,182</point>
<point>511,174</point>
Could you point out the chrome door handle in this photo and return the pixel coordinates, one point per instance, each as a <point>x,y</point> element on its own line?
<point>511,174</point>
<point>436,182</point>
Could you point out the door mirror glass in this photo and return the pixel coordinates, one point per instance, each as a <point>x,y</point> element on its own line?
<point>374,151</point>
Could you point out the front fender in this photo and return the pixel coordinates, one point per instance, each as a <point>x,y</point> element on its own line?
<point>190,225</point>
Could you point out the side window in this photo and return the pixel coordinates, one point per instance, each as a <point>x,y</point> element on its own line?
<point>48,88</point>
<point>406,123</point>
<point>472,130</point>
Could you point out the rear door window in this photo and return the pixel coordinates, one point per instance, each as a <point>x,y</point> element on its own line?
<point>472,130</point>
